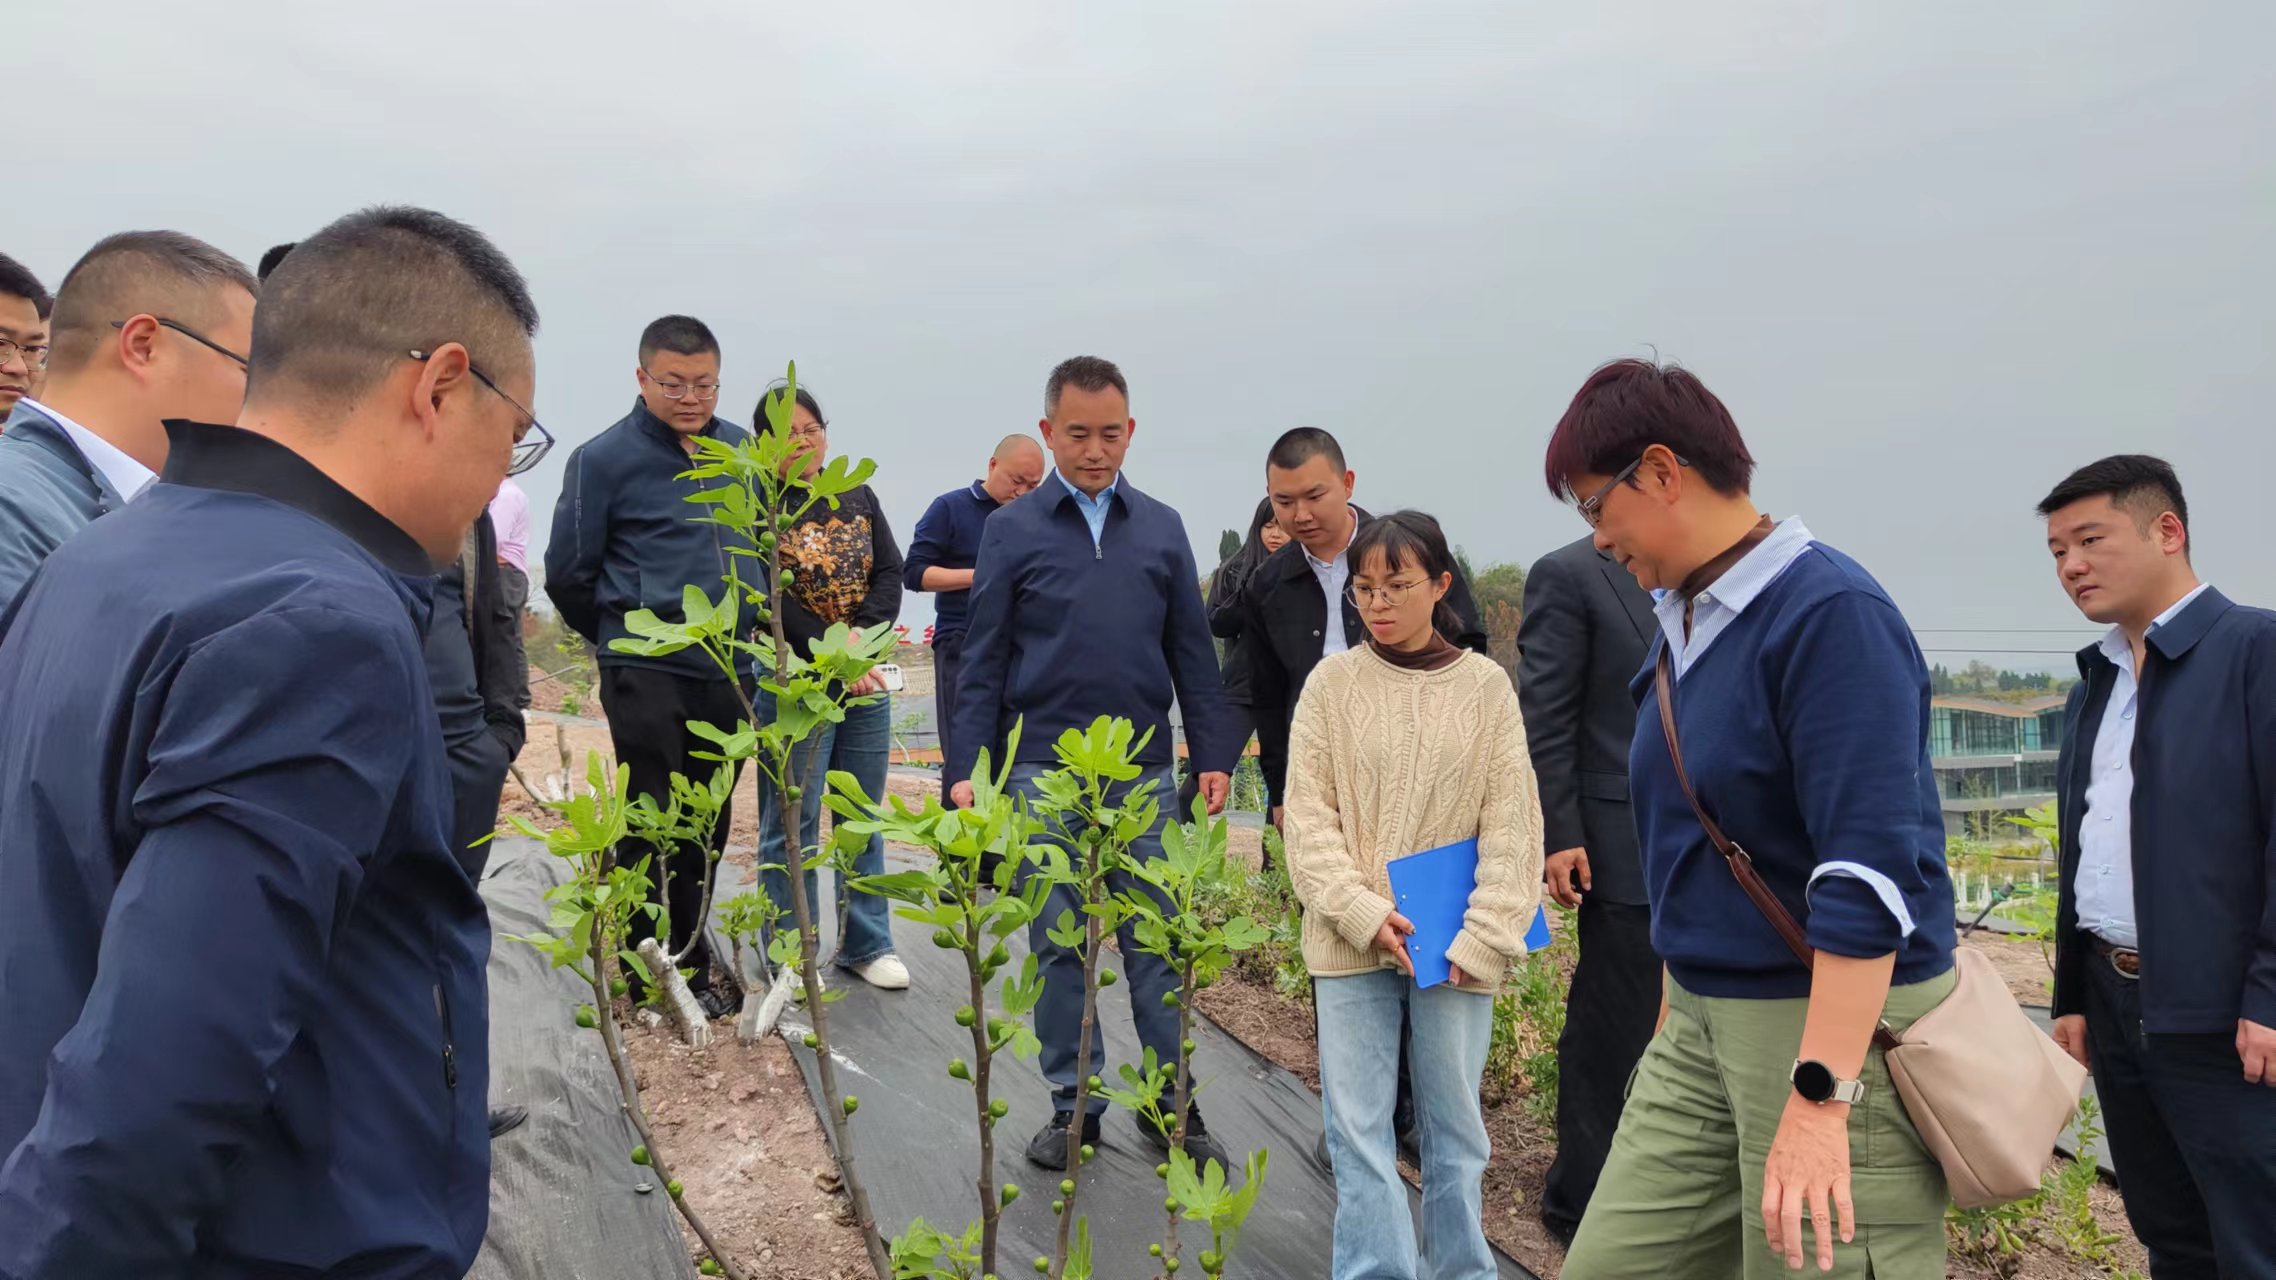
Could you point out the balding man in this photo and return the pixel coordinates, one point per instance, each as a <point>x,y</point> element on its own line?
<point>245,1031</point>
<point>149,325</point>
<point>941,556</point>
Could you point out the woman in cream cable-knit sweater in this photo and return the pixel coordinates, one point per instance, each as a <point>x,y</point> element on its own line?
<point>1399,747</point>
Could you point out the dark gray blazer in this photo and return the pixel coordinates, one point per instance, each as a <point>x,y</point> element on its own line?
<point>1587,627</point>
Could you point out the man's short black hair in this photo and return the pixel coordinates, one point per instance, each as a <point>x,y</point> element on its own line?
<point>270,259</point>
<point>160,273</point>
<point>17,281</point>
<point>1085,373</point>
<point>680,335</point>
<point>1295,448</point>
<point>350,302</point>
<point>2143,486</point>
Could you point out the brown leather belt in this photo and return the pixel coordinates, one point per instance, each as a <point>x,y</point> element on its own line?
<point>2126,960</point>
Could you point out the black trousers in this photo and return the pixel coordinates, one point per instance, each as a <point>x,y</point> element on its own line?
<point>477,780</point>
<point>648,713</point>
<point>948,663</point>
<point>2194,1144</point>
<point>1614,1001</point>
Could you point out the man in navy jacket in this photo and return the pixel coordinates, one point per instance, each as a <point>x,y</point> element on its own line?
<point>1087,602</point>
<point>2165,962</point>
<point>943,552</point>
<point>624,539</point>
<point>245,1031</point>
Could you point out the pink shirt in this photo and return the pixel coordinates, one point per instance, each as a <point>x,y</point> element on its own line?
<point>510,512</point>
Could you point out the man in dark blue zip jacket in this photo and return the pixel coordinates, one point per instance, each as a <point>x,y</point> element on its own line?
<point>245,1032</point>
<point>1086,602</point>
<point>2165,943</point>
<point>624,539</point>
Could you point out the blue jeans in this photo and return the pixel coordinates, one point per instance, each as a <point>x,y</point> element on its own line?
<point>1059,1013</point>
<point>860,746</point>
<point>1359,1073</point>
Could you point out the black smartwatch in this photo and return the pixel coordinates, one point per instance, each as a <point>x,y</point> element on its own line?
<point>1815,1082</point>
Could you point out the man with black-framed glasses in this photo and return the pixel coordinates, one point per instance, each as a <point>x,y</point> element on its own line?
<point>24,309</point>
<point>624,539</point>
<point>149,325</point>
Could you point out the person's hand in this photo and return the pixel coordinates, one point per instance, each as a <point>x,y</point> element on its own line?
<point>2070,1033</point>
<point>2256,1044</point>
<point>1454,974</point>
<point>870,682</point>
<point>961,794</point>
<point>1214,788</point>
<point>1561,868</point>
<point>1277,810</point>
<point>1392,937</point>
<point>1808,1171</point>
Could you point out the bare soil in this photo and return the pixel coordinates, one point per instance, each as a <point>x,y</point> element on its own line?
<point>2027,966</point>
<point>735,1124</point>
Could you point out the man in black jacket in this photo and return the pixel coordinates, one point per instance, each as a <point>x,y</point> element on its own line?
<point>1285,631</point>
<point>624,540</point>
<point>1587,625</point>
<point>2165,943</point>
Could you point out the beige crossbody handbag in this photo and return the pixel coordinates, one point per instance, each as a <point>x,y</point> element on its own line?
<point>1988,1091</point>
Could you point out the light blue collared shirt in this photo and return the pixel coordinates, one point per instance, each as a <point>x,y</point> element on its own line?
<point>2106,830</point>
<point>1720,605</point>
<point>1093,509</point>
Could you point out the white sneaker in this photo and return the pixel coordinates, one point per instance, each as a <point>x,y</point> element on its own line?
<point>886,973</point>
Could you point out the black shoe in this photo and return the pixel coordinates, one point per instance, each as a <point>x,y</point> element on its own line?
<point>1321,1157</point>
<point>1048,1149</point>
<point>716,1003</point>
<point>1560,1230</point>
<point>1198,1143</point>
<point>506,1119</point>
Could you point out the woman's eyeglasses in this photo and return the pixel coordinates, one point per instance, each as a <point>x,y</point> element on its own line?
<point>1392,594</point>
<point>1592,507</point>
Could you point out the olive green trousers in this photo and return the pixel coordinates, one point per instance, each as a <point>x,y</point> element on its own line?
<point>1681,1193</point>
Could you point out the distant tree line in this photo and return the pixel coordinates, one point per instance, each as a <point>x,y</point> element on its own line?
<point>1983,679</point>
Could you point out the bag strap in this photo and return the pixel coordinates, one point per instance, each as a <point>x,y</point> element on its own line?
<point>1736,858</point>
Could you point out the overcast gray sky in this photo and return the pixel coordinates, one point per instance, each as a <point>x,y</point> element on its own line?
<point>1932,254</point>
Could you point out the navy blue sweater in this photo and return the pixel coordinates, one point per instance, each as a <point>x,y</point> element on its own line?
<point>244,1033</point>
<point>1062,632</point>
<point>624,539</point>
<point>2204,819</point>
<point>948,537</point>
<point>1805,730</point>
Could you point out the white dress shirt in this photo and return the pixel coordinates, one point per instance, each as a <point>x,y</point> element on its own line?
<point>2106,829</point>
<point>1335,578</point>
<point>119,471</point>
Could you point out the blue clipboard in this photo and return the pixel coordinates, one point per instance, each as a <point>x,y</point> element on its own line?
<point>1432,890</point>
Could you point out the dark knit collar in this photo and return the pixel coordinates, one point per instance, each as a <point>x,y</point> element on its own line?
<point>1438,655</point>
<point>1706,575</point>
<point>202,455</point>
